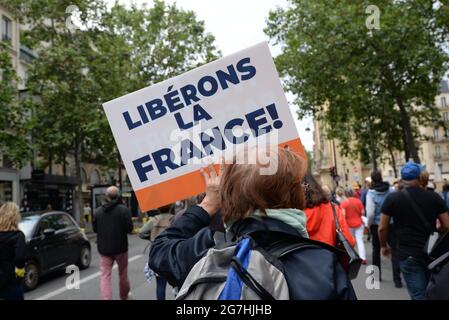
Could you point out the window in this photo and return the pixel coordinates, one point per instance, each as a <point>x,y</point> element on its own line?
<point>5,191</point>
<point>95,177</point>
<point>64,222</point>
<point>6,29</point>
<point>446,132</point>
<point>435,134</point>
<point>443,102</point>
<point>48,222</point>
<point>437,151</point>
<point>445,116</point>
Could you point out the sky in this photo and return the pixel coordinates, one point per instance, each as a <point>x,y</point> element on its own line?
<point>236,25</point>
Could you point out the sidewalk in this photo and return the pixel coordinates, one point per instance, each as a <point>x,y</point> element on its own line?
<point>387,290</point>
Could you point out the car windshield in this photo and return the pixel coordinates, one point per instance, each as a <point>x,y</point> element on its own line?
<point>26,225</point>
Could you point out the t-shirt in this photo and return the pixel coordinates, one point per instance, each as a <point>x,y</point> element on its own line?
<point>411,233</point>
<point>353,208</point>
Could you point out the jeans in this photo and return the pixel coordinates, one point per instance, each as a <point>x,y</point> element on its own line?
<point>357,233</point>
<point>416,276</point>
<point>106,263</point>
<point>392,243</point>
<point>12,292</point>
<point>161,284</point>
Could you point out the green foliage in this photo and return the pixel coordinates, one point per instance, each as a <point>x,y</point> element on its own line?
<point>76,71</point>
<point>365,84</point>
<point>114,52</point>
<point>13,142</point>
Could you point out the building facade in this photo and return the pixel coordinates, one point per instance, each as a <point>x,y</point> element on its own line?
<point>9,35</point>
<point>433,153</point>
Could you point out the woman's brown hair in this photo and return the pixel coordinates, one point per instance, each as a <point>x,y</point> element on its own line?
<point>314,194</point>
<point>245,188</point>
<point>9,216</point>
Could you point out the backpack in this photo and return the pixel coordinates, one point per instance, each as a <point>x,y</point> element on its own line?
<point>438,287</point>
<point>162,222</point>
<point>155,226</point>
<point>242,270</point>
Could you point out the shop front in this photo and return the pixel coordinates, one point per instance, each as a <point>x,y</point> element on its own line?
<point>9,185</point>
<point>128,198</point>
<point>49,192</point>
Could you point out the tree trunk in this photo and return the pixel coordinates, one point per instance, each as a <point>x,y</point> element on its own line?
<point>64,167</point>
<point>77,198</point>
<point>372,147</point>
<point>50,163</point>
<point>407,129</point>
<point>393,163</point>
<point>409,141</point>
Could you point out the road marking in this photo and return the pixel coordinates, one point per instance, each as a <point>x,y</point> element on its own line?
<point>92,276</point>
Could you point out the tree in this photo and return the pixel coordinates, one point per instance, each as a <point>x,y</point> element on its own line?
<point>145,46</point>
<point>76,71</point>
<point>13,140</point>
<point>371,87</point>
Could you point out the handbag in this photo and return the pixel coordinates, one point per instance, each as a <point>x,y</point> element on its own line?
<point>351,261</point>
<point>434,235</point>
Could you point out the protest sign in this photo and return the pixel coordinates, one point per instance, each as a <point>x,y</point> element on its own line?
<point>167,131</point>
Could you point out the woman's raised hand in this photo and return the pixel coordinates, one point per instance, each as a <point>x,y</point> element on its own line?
<point>211,202</point>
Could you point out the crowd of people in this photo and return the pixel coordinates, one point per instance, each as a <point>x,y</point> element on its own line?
<point>254,235</point>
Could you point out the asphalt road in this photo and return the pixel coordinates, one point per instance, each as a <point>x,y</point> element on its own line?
<point>53,287</point>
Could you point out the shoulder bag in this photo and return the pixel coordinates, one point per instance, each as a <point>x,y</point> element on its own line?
<point>350,262</point>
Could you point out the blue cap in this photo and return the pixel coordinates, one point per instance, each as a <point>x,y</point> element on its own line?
<point>411,171</point>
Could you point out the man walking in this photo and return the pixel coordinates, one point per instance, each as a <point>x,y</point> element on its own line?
<point>415,212</point>
<point>112,223</point>
<point>374,200</point>
<point>86,213</point>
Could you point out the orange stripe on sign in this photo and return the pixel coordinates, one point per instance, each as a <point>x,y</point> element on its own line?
<point>188,185</point>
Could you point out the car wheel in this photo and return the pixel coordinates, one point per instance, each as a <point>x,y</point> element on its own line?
<point>85,257</point>
<point>31,279</point>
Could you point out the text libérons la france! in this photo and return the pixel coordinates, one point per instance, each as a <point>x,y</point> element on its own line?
<point>165,159</point>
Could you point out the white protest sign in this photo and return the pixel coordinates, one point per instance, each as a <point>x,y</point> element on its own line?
<point>167,131</point>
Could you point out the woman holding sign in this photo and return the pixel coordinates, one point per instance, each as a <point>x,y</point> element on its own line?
<point>265,252</point>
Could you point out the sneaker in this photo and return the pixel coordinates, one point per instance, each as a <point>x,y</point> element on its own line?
<point>398,284</point>
<point>130,296</point>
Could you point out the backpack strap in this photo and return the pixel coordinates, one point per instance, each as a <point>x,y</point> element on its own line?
<point>249,281</point>
<point>286,246</point>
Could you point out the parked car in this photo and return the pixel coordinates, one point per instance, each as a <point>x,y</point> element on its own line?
<point>53,241</point>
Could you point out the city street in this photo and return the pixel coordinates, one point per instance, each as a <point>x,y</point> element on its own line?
<point>53,287</point>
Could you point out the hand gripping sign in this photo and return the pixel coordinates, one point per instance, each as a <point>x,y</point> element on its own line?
<point>166,132</point>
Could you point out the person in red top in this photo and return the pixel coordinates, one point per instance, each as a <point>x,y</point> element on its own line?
<point>357,190</point>
<point>320,218</point>
<point>353,211</point>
